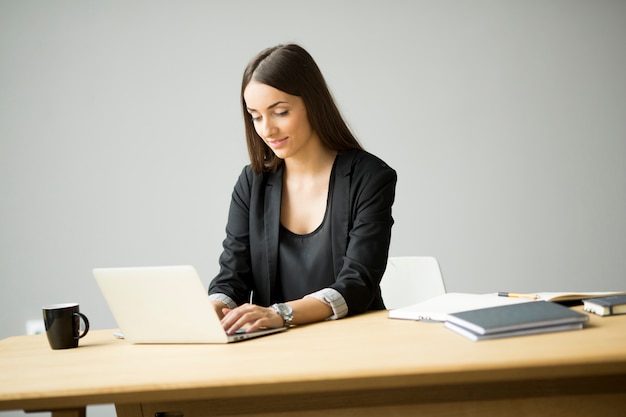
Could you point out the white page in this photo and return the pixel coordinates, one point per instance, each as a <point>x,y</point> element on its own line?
<point>438,308</point>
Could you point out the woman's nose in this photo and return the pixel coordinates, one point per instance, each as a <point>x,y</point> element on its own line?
<point>268,129</point>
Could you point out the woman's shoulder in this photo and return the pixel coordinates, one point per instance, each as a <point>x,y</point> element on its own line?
<point>251,178</point>
<point>359,161</point>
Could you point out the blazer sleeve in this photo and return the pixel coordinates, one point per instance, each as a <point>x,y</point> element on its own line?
<point>235,276</point>
<point>372,193</point>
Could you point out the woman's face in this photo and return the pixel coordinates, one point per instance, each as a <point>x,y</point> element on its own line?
<point>280,119</point>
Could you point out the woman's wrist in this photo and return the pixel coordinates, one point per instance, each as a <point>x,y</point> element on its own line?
<point>219,306</point>
<point>285,312</point>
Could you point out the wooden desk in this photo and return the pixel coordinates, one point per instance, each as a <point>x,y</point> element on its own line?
<point>367,366</point>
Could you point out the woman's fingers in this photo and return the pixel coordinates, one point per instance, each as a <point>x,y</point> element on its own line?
<point>252,316</point>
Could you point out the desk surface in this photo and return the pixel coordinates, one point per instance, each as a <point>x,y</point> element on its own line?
<point>359,353</point>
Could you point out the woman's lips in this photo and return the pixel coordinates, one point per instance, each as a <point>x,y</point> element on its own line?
<point>277,143</point>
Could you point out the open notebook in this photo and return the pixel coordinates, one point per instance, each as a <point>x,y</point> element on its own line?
<point>438,308</point>
<point>166,304</point>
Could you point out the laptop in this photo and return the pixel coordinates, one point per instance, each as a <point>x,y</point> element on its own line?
<point>165,304</point>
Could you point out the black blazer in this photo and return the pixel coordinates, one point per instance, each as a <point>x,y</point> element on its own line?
<point>360,222</point>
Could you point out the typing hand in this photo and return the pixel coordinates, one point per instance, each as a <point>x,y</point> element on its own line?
<point>219,308</point>
<point>250,316</point>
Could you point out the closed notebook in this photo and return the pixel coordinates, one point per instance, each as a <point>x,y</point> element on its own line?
<point>516,317</point>
<point>511,333</point>
<point>606,306</point>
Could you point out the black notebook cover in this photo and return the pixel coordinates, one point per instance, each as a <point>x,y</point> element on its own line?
<point>611,301</point>
<point>516,317</point>
<point>606,306</point>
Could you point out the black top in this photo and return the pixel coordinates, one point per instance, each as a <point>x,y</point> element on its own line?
<point>305,261</point>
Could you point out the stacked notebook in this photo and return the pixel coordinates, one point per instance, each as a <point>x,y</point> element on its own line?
<point>515,320</point>
<point>606,306</point>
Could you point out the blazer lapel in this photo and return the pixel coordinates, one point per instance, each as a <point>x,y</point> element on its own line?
<point>271,218</point>
<point>340,212</point>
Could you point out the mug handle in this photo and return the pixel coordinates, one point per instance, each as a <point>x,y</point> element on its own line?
<point>86,321</point>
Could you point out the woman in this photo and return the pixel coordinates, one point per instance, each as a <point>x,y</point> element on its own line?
<point>310,219</point>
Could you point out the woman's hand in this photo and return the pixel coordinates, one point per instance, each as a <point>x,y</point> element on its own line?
<point>219,308</point>
<point>252,316</point>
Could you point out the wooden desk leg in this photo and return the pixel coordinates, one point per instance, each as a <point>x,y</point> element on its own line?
<point>128,410</point>
<point>74,412</point>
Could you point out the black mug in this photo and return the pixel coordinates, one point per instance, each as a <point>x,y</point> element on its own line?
<point>62,323</point>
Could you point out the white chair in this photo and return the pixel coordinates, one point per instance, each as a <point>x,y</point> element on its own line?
<point>411,279</point>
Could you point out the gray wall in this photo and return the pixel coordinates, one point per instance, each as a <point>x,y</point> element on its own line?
<point>121,135</point>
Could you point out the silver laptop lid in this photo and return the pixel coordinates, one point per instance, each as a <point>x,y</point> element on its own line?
<point>166,304</point>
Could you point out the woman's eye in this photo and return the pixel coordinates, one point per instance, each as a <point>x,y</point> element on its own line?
<point>255,118</point>
<point>282,113</point>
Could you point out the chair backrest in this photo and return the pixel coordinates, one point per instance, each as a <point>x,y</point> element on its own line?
<point>411,279</point>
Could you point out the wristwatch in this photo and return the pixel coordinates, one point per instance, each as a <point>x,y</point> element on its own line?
<point>284,311</point>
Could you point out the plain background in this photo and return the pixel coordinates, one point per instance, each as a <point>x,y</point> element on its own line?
<point>121,135</point>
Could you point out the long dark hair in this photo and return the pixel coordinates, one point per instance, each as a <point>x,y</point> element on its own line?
<point>290,68</point>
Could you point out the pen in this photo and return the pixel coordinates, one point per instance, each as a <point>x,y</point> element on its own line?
<point>518,295</point>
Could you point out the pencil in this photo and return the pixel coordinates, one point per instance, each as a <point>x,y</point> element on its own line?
<point>518,295</point>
